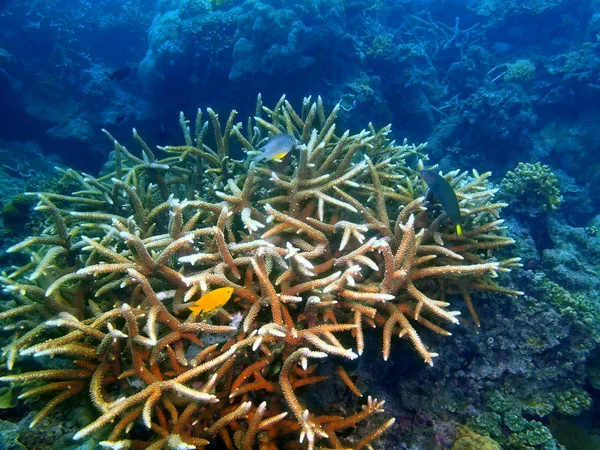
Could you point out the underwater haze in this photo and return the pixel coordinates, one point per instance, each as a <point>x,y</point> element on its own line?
<point>320,224</point>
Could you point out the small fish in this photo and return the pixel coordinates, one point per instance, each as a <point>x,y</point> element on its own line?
<point>443,191</point>
<point>277,147</point>
<point>211,300</point>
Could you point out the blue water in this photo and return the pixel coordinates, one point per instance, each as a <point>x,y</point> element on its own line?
<point>487,83</point>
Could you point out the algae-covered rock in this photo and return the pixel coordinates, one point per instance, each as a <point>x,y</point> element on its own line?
<point>9,436</point>
<point>15,214</point>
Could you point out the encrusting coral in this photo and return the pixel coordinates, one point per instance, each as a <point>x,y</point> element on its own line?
<point>335,238</point>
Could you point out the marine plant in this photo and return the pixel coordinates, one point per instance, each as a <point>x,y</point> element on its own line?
<point>318,249</point>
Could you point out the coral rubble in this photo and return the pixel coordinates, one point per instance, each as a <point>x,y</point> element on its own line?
<point>335,239</point>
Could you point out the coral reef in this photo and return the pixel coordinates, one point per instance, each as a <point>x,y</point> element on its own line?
<point>521,71</point>
<point>533,362</point>
<point>15,214</point>
<point>572,143</point>
<point>510,8</point>
<point>571,259</point>
<point>23,168</point>
<point>500,119</point>
<point>533,187</point>
<point>467,439</point>
<point>9,437</point>
<point>275,37</point>
<point>318,249</point>
<point>509,413</point>
<point>549,377</point>
<point>183,29</point>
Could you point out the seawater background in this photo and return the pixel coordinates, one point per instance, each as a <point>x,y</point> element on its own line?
<point>487,83</point>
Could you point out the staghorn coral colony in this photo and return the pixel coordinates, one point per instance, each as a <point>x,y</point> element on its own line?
<point>319,249</point>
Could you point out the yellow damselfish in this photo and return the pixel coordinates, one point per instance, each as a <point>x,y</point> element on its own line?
<point>211,300</point>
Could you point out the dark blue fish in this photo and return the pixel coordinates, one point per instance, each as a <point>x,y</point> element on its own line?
<point>443,191</point>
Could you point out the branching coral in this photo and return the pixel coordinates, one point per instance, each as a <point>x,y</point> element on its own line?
<point>334,238</point>
<point>534,188</point>
<point>521,71</point>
